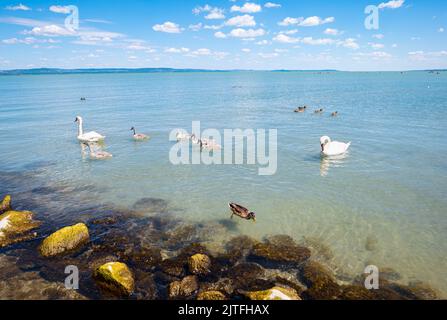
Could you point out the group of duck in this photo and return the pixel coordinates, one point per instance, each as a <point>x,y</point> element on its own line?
<point>93,139</point>
<point>317,111</point>
<point>203,143</point>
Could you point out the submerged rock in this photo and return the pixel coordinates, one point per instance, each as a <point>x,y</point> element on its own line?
<point>65,240</point>
<point>279,254</point>
<point>320,282</point>
<point>174,267</point>
<point>211,295</point>
<point>5,205</point>
<point>17,226</point>
<point>116,278</point>
<point>353,292</point>
<point>151,205</point>
<point>184,288</point>
<point>275,293</point>
<point>199,264</point>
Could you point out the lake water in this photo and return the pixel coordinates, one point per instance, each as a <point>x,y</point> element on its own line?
<point>384,203</point>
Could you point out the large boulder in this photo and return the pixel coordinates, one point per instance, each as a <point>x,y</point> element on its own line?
<point>184,288</point>
<point>199,264</point>
<point>275,293</point>
<point>65,240</point>
<point>16,226</point>
<point>116,278</point>
<point>276,255</point>
<point>320,282</point>
<point>5,205</point>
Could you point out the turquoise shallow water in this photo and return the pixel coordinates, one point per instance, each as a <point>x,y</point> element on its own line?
<point>389,190</point>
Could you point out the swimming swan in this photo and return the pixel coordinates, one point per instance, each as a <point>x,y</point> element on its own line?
<point>96,154</point>
<point>89,136</point>
<point>333,148</point>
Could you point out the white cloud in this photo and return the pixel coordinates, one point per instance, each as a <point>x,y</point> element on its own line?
<point>394,45</point>
<point>376,46</point>
<point>247,33</point>
<point>248,7</point>
<point>51,30</point>
<point>177,50</point>
<point>19,7</point>
<point>441,30</point>
<point>378,36</point>
<point>317,42</point>
<point>246,50</point>
<point>268,55</point>
<point>331,32</point>
<point>272,5</point>
<point>262,43</point>
<point>283,38</point>
<point>213,27</point>
<point>241,21</point>
<point>376,55</point>
<point>195,27</point>
<point>60,9</point>
<point>293,31</point>
<point>306,22</point>
<point>213,13</point>
<point>220,35</point>
<point>393,4</point>
<point>422,55</point>
<point>28,41</point>
<point>349,43</point>
<point>168,27</point>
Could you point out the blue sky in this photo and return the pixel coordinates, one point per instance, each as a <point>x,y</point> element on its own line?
<point>224,34</point>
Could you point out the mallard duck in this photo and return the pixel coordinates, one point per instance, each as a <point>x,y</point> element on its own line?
<point>334,114</point>
<point>319,111</point>
<point>241,212</point>
<point>301,109</point>
<point>83,99</point>
<point>138,136</point>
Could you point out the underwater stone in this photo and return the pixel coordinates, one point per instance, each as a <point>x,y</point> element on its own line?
<point>275,293</point>
<point>174,267</point>
<point>151,205</point>
<point>184,288</point>
<point>5,205</point>
<point>269,254</point>
<point>17,226</point>
<point>199,264</point>
<point>65,240</point>
<point>116,278</point>
<point>211,295</point>
<point>146,258</point>
<point>321,283</point>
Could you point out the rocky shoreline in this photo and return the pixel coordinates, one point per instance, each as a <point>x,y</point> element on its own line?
<point>124,255</point>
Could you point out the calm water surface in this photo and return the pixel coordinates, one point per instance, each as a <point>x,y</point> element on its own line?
<point>389,190</point>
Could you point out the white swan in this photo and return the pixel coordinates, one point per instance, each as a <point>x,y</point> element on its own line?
<point>89,136</point>
<point>333,148</point>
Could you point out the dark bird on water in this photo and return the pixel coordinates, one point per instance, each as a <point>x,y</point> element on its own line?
<point>241,212</point>
<point>301,109</point>
<point>83,99</point>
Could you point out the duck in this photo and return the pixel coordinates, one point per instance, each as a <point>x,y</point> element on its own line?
<point>83,99</point>
<point>319,110</point>
<point>301,109</point>
<point>138,136</point>
<point>241,212</point>
<point>89,136</point>
<point>334,114</point>
<point>97,154</point>
<point>333,148</point>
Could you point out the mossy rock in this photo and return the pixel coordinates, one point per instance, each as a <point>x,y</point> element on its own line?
<point>353,292</point>
<point>275,293</point>
<point>211,295</point>
<point>320,282</point>
<point>274,255</point>
<point>116,278</point>
<point>5,205</point>
<point>65,240</point>
<point>199,264</point>
<point>17,226</point>
<point>183,289</point>
<point>174,267</point>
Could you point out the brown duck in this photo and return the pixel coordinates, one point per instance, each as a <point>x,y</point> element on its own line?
<point>241,212</point>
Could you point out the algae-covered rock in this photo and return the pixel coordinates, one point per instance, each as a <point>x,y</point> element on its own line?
<point>116,278</point>
<point>5,205</point>
<point>174,267</point>
<point>275,293</point>
<point>184,288</point>
<point>320,282</point>
<point>211,295</point>
<point>16,226</point>
<point>65,240</point>
<point>353,292</point>
<point>272,254</point>
<point>199,264</point>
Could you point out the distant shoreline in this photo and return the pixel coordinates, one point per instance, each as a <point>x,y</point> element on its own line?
<point>42,71</point>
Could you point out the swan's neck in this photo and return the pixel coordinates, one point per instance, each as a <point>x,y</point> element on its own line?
<point>80,130</point>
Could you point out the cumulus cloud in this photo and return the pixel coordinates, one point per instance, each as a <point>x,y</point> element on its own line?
<point>283,38</point>
<point>306,22</point>
<point>195,27</point>
<point>246,50</point>
<point>51,30</point>
<point>331,32</point>
<point>60,9</point>
<point>376,46</point>
<point>272,5</point>
<point>177,50</point>
<point>393,4</point>
<point>378,36</point>
<point>213,13</point>
<point>268,55</point>
<point>168,27</point>
<point>247,33</point>
<point>317,42</point>
<point>19,7</point>
<point>220,35</point>
<point>248,7</point>
<point>241,21</point>
<point>349,43</point>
